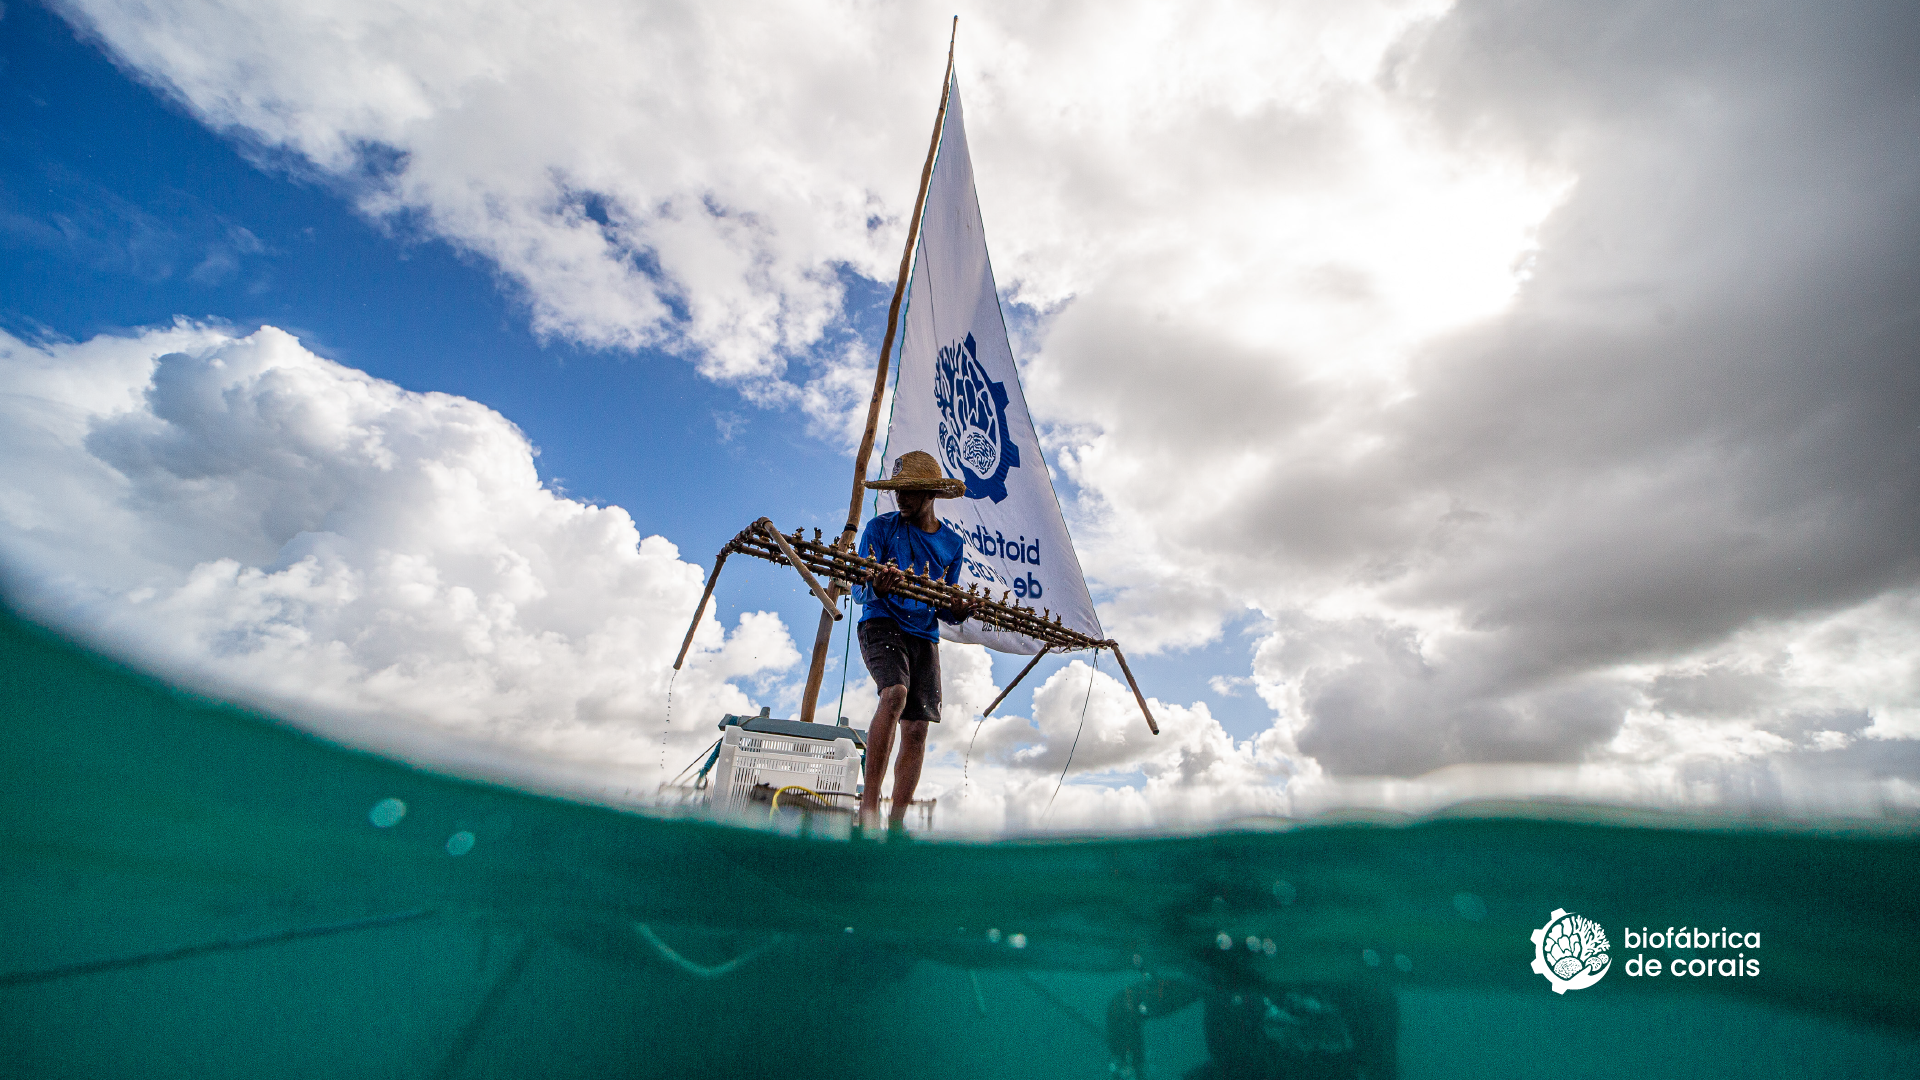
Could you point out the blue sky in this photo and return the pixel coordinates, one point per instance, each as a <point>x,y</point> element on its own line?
<point>124,213</point>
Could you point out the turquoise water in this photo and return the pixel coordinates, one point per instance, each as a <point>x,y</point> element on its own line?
<point>193,890</point>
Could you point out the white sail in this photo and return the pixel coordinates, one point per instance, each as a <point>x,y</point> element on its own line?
<point>958,398</point>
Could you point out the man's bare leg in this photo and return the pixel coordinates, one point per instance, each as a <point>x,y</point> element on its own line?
<point>906,771</point>
<point>893,701</point>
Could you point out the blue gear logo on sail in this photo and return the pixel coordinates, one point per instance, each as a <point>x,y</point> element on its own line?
<point>973,421</point>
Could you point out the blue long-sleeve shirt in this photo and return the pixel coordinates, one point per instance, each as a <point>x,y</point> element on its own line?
<point>902,543</point>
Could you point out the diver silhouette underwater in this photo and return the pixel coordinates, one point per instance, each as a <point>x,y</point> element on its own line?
<point>1258,1030</point>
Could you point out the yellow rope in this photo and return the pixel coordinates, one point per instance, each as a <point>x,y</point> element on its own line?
<point>775,808</point>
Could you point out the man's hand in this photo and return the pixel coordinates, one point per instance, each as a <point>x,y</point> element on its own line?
<point>886,579</point>
<point>889,578</point>
<point>967,608</point>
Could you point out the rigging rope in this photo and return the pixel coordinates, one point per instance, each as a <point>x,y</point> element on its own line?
<point>1091,672</point>
<point>715,745</point>
<point>702,971</point>
<point>967,762</point>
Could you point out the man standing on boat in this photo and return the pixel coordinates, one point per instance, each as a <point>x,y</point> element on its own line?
<point>900,636</point>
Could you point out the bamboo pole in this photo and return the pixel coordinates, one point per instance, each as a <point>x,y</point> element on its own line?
<point>823,637</point>
<point>893,309</point>
<point>719,561</point>
<point>826,599</point>
<point>250,941</point>
<point>817,665</point>
<point>1137,695</point>
<point>1044,650</point>
<point>470,1032</point>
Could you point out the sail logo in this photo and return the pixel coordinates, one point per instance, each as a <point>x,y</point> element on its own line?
<point>1570,952</point>
<point>973,421</point>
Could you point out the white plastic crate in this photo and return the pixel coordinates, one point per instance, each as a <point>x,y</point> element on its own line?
<point>749,758</point>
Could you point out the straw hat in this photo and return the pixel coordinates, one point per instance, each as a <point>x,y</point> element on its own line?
<point>916,470</point>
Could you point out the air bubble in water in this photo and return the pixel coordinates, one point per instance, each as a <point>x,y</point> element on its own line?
<point>387,813</point>
<point>1470,907</point>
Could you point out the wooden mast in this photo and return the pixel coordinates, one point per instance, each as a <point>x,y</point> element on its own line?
<point>823,637</point>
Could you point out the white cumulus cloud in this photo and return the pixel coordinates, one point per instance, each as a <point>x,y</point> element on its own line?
<point>383,564</point>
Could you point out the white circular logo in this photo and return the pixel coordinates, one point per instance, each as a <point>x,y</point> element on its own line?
<point>1570,951</point>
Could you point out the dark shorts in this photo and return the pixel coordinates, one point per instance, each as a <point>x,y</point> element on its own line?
<point>897,658</point>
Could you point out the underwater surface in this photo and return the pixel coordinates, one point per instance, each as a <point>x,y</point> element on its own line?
<point>191,889</point>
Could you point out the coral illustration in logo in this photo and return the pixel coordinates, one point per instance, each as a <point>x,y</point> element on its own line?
<point>1570,951</point>
<point>973,421</point>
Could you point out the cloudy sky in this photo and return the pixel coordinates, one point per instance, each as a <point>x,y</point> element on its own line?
<point>1448,400</point>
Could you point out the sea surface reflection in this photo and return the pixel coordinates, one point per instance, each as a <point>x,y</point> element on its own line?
<point>193,889</point>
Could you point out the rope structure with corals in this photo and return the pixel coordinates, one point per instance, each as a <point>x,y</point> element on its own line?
<point>816,559</point>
